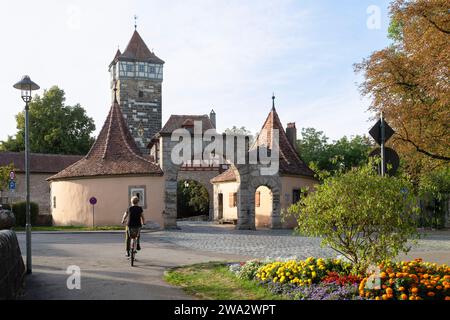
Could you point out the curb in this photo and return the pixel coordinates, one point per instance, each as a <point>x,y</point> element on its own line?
<point>83,232</point>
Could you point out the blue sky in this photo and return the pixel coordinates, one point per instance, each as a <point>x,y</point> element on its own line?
<point>226,55</point>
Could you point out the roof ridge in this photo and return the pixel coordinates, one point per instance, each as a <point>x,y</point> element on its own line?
<point>108,134</point>
<point>123,136</point>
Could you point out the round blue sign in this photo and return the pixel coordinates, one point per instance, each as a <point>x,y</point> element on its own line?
<point>93,200</point>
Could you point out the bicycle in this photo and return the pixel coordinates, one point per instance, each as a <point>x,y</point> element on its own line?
<point>133,234</point>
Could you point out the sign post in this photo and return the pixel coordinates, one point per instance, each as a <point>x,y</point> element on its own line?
<point>93,202</point>
<point>12,181</point>
<point>381,132</point>
<point>383,137</point>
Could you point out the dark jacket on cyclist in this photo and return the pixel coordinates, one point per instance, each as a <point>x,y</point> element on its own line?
<point>134,217</point>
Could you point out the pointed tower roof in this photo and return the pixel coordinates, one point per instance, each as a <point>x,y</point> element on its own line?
<point>137,50</point>
<point>290,162</point>
<point>113,153</point>
<point>116,57</point>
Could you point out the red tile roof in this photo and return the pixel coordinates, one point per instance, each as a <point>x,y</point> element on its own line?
<point>290,162</point>
<point>39,162</point>
<point>113,153</point>
<point>137,50</point>
<point>226,176</point>
<point>177,122</point>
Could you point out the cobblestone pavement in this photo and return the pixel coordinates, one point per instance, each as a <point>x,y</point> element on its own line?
<point>206,236</point>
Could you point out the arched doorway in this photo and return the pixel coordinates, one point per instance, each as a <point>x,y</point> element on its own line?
<point>193,200</point>
<point>263,207</point>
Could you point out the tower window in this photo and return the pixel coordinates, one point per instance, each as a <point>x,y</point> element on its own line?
<point>151,69</point>
<point>130,68</point>
<point>141,68</point>
<point>141,94</point>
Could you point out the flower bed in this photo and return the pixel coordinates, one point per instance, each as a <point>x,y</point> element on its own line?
<point>413,280</point>
<point>332,279</point>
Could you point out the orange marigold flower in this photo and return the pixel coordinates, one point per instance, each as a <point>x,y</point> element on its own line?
<point>401,289</point>
<point>404,297</point>
<point>431,294</point>
<point>447,298</point>
<point>389,291</point>
<point>384,297</point>
<point>414,290</point>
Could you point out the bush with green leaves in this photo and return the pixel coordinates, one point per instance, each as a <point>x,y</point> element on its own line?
<point>249,269</point>
<point>361,215</point>
<point>19,210</point>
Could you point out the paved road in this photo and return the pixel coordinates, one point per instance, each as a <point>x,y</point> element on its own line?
<point>106,273</point>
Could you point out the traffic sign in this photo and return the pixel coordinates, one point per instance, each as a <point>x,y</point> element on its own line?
<point>375,132</point>
<point>93,201</point>
<point>12,175</point>
<point>391,159</point>
<point>12,185</point>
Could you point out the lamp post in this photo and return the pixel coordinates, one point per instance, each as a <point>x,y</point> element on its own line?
<point>26,86</point>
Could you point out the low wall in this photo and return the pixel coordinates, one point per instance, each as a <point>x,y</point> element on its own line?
<point>12,268</point>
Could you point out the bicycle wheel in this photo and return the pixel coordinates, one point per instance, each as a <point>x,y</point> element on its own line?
<point>133,251</point>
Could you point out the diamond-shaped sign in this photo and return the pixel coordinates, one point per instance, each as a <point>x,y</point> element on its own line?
<point>375,132</point>
<point>391,159</point>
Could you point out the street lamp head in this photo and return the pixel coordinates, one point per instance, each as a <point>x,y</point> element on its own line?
<point>26,86</point>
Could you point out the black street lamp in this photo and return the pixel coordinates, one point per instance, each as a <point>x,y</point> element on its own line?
<point>26,86</point>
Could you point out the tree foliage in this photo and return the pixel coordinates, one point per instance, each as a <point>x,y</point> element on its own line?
<point>340,155</point>
<point>409,82</point>
<point>363,216</point>
<point>54,127</point>
<point>192,199</point>
<point>4,177</point>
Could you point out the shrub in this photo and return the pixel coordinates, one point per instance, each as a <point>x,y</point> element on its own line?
<point>19,210</point>
<point>303,272</point>
<point>361,215</point>
<point>248,270</point>
<point>413,280</point>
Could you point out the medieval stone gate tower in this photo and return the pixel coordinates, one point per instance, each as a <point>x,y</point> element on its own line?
<point>137,73</point>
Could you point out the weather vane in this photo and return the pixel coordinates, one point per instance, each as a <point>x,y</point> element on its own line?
<point>135,22</point>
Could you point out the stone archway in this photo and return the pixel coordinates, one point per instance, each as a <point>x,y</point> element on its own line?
<point>202,178</point>
<point>274,185</point>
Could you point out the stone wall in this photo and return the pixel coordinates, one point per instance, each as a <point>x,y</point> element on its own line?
<point>39,191</point>
<point>140,101</point>
<point>12,268</point>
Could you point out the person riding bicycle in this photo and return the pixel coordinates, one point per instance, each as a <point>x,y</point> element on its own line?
<point>135,219</point>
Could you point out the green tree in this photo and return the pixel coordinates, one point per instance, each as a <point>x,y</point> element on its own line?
<point>340,155</point>
<point>192,198</point>
<point>240,131</point>
<point>54,127</point>
<point>361,215</point>
<point>4,177</point>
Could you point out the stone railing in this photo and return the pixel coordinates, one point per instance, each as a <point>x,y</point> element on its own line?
<point>12,268</point>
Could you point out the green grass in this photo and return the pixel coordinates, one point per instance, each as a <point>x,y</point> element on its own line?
<point>214,281</point>
<point>71,228</point>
